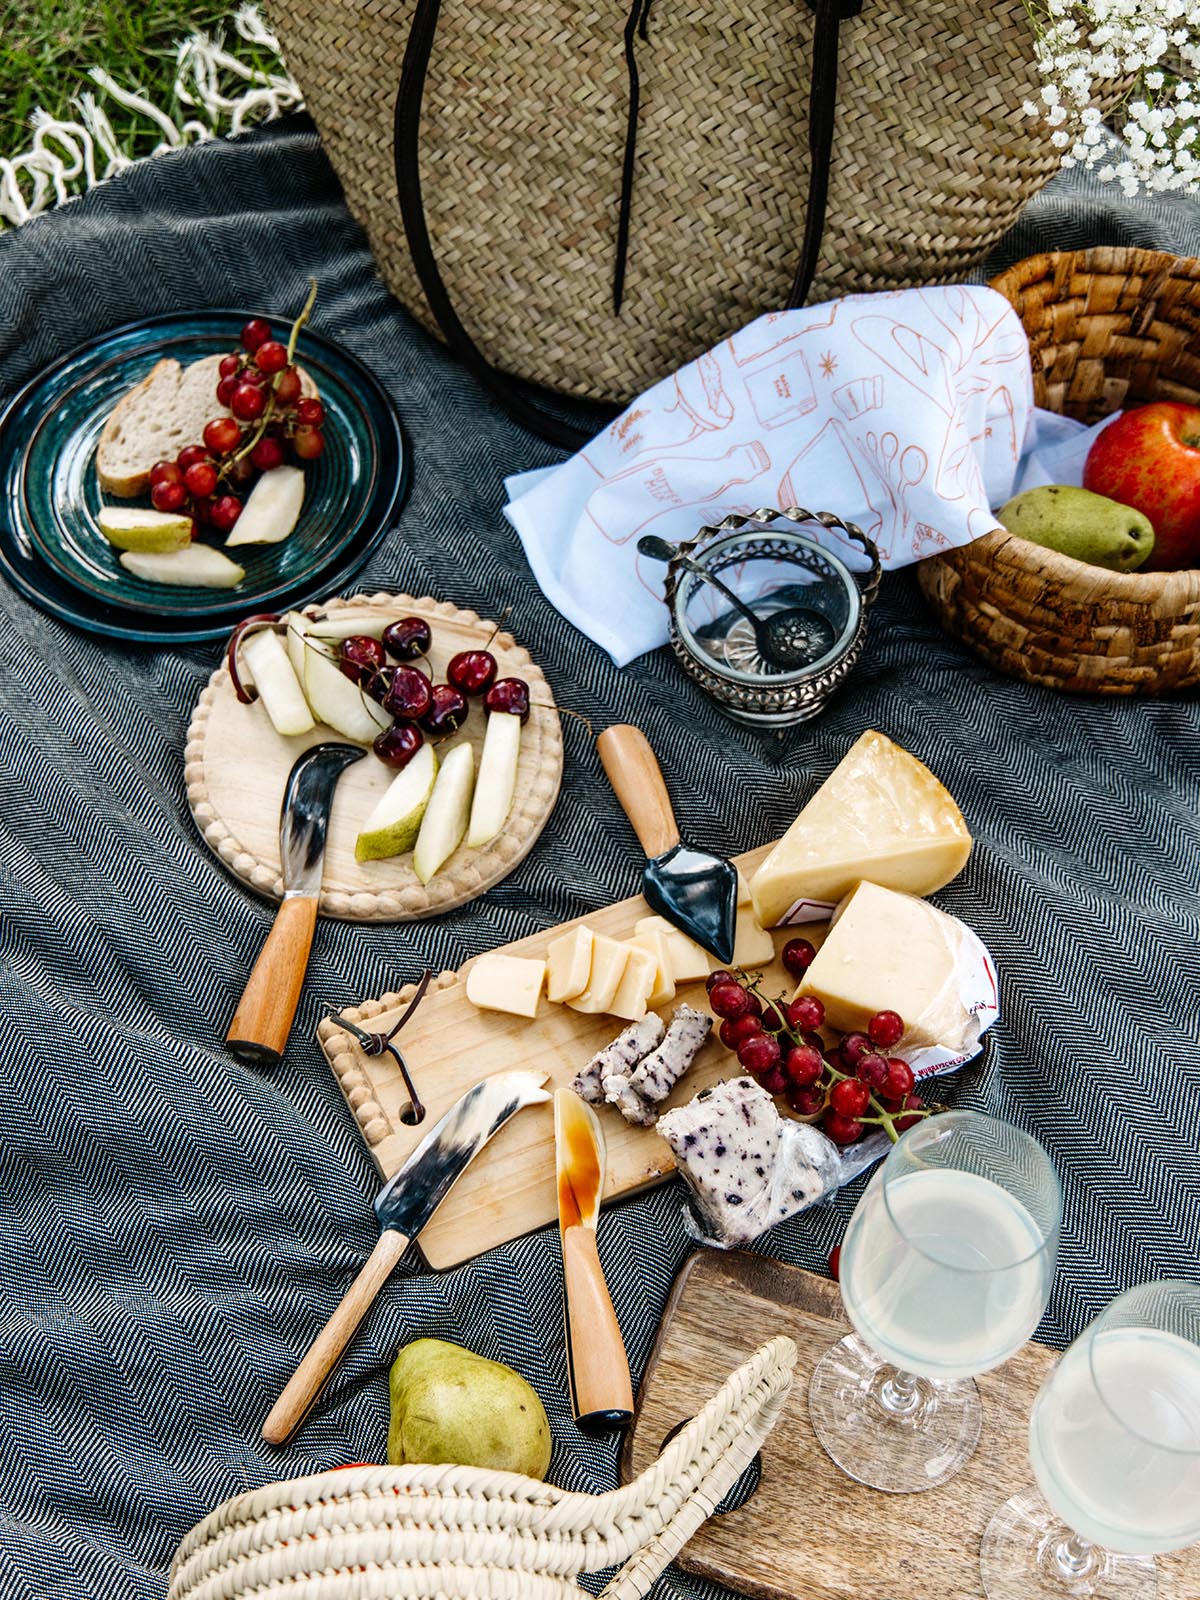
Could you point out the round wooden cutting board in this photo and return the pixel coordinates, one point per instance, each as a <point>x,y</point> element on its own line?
<point>236,766</point>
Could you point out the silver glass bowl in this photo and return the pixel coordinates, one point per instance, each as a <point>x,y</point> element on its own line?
<point>768,563</point>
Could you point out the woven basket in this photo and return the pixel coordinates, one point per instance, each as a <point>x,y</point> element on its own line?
<point>521,153</point>
<point>1107,328</point>
<point>459,1533</point>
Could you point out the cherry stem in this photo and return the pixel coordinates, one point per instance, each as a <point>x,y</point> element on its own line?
<point>246,693</point>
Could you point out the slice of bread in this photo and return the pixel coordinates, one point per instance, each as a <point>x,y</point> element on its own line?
<point>157,418</point>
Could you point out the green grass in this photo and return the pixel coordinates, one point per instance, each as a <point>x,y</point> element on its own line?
<point>46,47</point>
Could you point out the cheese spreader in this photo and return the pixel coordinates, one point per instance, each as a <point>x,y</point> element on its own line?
<point>597,1366</point>
<point>404,1205</point>
<point>694,889</point>
<point>264,1015</point>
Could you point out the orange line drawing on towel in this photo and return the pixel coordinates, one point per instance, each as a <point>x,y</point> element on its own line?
<point>782,390</point>
<point>898,471</point>
<point>860,395</point>
<point>675,483</point>
<point>794,489</point>
<point>701,407</point>
<point>746,352</point>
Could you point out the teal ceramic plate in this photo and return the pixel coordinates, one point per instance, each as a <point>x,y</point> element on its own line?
<point>50,542</point>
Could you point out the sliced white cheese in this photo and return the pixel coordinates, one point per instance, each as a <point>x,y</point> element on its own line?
<point>880,815</point>
<point>689,961</point>
<point>568,964</point>
<point>655,941</point>
<point>506,983</point>
<point>636,985</point>
<point>753,946</point>
<point>891,952</point>
<point>608,965</point>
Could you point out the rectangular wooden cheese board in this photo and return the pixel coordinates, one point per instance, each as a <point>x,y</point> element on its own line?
<point>449,1044</point>
<point>808,1532</point>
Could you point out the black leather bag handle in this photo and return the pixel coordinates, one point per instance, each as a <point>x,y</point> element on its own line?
<point>529,404</point>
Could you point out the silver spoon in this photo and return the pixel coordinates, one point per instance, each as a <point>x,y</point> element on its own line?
<point>785,639</point>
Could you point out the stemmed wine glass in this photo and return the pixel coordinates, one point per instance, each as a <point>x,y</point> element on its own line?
<point>945,1272</point>
<point>1114,1438</point>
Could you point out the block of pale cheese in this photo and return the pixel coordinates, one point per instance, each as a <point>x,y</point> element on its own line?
<point>892,952</point>
<point>608,965</point>
<point>689,960</point>
<point>636,985</point>
<point>568,964</point>
<point>655,941</point>
<point>753,946</point>
<point>880,815</point>
<point>506,983</point>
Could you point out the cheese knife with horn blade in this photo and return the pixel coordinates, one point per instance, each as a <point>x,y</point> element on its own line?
<point>597,1366</point>
<point>404,1205</point>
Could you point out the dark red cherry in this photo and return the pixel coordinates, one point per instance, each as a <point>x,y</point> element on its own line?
<point>397,745</point>
<point>407,638</point>
<point>472,671</point>
<point>508,694</point>
<point>360,658</point>
<point>448,711</point>
<point>409,694</point>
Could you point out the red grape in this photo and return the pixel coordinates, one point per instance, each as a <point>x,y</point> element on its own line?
<point>804,1065</point>
<point>267,454</point>
<point>842,1130</point>
<point>311,411</point>
<point>189,455</point>
<point>226,390</point>
<point>222,435</point>
<point>912,1102</point>
<point>247,402</point>
<point>165,472</point>
<point>200,479</point>
<point>397,745</point>
<point>719,976</point>
<point>835,1263</point>
<point>224,512</point>
<point>872,1070</point>
<point>733,1032</point>
<point>885,1029</point>
<point>168,496</point>
<point>774,1081</point>
<point>798,956</point>
<point>255,333</point>
<point>231,365</point>
<point>850,1097</point>
<point>472,671</point>
<point>287,386</point>
<point>271,356</point>
<point>854,1047</point>
<point>806,1013</point>
<point>730,1001</point>
<point>774,1016</point>
<point>760,1053</point>
<point>806,1102</point>
<point>900,1079</point>
<point>308,443</point>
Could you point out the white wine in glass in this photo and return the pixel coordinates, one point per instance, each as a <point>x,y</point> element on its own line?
<point>945,1272</point>
<point>1114,1438</point>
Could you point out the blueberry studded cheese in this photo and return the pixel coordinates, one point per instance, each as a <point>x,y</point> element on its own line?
<point>748,1167</point>
<point>621,1056</point>
<point>658,1073</point>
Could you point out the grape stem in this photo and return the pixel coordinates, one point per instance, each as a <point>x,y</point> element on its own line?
<point>269,409</point>
<point>305,312</point>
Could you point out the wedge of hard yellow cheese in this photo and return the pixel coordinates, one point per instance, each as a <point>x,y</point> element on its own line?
<point>881,815</point>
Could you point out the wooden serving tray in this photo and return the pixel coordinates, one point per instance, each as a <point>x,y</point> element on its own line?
<point>508,1190</point>
<point>236,766</point>
<point>808,1532</point>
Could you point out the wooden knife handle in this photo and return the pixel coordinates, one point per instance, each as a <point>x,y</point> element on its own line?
<point>308,1380</point>
<point>633,771</point>
<point>598,1368</point>
<point>263,1019</point>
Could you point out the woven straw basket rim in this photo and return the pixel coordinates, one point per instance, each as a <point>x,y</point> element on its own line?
<point>385,1533</point>
<point>1108,328</point>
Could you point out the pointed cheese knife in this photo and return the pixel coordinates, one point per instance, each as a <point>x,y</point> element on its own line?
<point>597,1366</point>
<point>404,1205</point>
<point>694,889</point>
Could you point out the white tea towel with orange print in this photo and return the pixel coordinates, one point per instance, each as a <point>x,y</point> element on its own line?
<point>905,412</point>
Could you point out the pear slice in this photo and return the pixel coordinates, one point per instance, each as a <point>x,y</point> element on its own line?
<point>132,528</point>
<point>351,624</point>
<point>337,700</point>
<point>272,510</point>
<point>445,819</point>
<point>497,779</point>
<point>278,687</point>
<point>196,566</point>
<point>297,627</point>
<point>392,827</point>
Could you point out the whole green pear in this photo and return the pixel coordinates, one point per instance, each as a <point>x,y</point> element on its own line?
<point>1081,524</point>
<point>450,1405</point>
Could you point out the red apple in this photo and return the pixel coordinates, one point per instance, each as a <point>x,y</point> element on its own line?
<point>1149,458</point>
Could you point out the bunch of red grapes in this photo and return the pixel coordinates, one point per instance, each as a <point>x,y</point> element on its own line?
<point>845,1088</point>
<point>261,386</point>
<point>417,704</point>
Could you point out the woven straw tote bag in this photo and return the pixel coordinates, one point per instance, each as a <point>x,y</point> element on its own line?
<point>594,195</point>
<point>459,1533</point>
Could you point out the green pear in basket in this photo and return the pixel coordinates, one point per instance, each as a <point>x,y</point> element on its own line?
<point>1078,523</point>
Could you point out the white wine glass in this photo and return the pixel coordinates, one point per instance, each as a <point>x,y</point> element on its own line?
<point>945,1272</point>
<point>1114,1438</point>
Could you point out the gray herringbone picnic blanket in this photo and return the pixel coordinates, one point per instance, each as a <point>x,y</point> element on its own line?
<point>174,1226</point>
